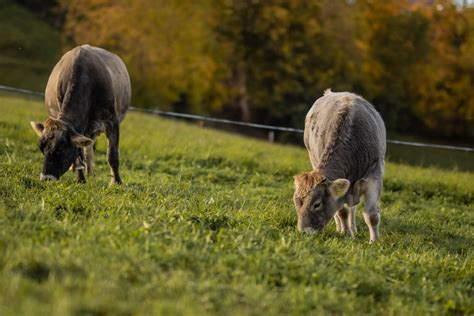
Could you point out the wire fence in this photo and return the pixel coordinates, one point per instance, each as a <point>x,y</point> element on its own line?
<point>22,91</point>
<point>269,128</point>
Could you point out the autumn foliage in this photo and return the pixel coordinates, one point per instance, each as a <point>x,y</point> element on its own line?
<point>267,61</point>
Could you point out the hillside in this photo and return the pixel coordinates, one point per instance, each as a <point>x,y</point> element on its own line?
<point>29,47</point>
<point>204,224</point>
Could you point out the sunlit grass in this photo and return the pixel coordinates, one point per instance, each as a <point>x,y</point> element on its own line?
<point>204,223</point>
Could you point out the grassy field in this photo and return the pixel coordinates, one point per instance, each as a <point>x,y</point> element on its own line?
<point>204,224</point>
<point>29,47</point>
<point>431,157</point>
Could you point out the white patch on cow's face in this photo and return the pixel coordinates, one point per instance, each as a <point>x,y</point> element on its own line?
<point>309,230</point>
<point>47,177</point>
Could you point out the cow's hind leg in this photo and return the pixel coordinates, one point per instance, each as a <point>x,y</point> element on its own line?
<point>113,134</point>
<point>372,207</point>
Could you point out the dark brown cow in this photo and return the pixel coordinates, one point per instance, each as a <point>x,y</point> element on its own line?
<point>88,93</point>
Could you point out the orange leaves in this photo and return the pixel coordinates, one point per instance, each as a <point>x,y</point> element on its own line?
<point>268,60</point>
<point>166,45</point>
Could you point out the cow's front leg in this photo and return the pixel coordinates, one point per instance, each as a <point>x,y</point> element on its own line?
<point>372,207</point>
<point>79,166</point>
<point>113,135</point>
<point>81,178</point>
<point>338,223</point>
<point>344,217</point>
<point>89,157</point>
<point>352,219</point>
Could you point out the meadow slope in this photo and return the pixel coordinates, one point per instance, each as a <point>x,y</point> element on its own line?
<point>204,224</point>
<point>29,47</point>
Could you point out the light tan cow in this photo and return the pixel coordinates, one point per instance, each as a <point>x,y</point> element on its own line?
<point>346,141</point>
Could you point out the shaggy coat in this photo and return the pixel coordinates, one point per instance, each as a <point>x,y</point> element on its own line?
<point>346,141</point>
<point>345,137</point>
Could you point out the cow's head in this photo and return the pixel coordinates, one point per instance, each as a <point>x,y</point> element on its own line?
<point>60,146</point>
<point>317,199</point>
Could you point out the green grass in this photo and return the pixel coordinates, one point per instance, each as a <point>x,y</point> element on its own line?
<point>29,47</point>
<point>431,157</point>
<point>204,224</point>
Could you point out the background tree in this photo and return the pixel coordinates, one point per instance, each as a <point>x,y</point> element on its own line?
<point>267,61</point>
<point>445,98</point>
<point>394,41</point>
<point>166,45</point>
<point>280,56</point>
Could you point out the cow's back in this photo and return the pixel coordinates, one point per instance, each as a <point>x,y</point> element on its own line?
<point>100,69</point>
<point>345,136</point>
<point>120,80</point>
<point>61,72</point>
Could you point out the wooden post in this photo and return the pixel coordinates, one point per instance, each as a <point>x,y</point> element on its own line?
<point>271,136</point>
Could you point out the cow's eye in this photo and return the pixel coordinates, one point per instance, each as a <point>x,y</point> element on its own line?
<point>317,205</point>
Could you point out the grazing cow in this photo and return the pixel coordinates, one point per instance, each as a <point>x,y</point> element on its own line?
<point>345,138</point>
<point>88,92</point>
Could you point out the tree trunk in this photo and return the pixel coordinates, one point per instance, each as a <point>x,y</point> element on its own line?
<point>242,97</point>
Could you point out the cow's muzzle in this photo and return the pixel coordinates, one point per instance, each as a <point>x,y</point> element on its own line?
<point>309,230</point>
<point>48,177</point>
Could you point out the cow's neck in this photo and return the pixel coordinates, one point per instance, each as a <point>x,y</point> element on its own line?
<point>333,172</point>
<point>76,105</point>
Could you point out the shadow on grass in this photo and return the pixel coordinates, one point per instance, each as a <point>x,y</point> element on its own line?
<point>39,271</point>
<point>441,239</point>
<point>428,191</point>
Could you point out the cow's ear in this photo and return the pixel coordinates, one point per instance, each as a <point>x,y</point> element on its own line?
<point>297,181</point>
<point>339,188</point>
<point>81,141</point>
<point>37,127</point>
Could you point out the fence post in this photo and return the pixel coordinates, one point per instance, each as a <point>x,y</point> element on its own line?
<point>271,136</point>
